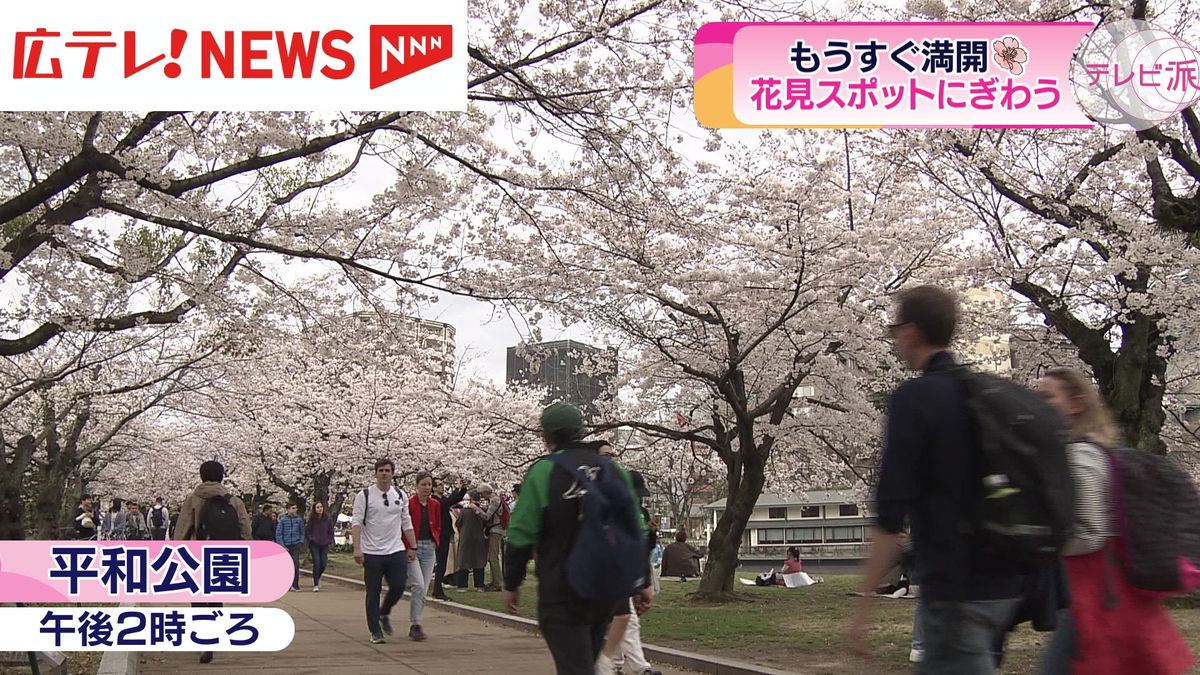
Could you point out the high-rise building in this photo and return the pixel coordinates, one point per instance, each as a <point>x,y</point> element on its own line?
<point>570,371</point>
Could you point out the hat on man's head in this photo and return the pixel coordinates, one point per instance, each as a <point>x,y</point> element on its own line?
<point>484,488</point>
<point>562,419</point>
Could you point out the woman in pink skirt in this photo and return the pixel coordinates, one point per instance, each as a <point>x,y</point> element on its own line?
<point>1111,627</point>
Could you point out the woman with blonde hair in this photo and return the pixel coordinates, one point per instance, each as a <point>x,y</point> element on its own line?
<point>1111,628</point>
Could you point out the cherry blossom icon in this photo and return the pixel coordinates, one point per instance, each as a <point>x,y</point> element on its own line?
<point>1010,55</point>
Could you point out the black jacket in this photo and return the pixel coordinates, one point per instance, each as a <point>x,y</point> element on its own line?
<point>930,475</point>
<point>262,528</point>
<point>447,520</point>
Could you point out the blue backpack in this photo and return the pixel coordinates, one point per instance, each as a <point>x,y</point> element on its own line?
<point>607,559</point>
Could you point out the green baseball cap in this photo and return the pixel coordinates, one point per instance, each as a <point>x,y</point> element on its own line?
<point>559,418</point>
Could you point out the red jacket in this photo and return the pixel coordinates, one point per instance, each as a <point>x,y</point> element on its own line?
<point>435,517</point>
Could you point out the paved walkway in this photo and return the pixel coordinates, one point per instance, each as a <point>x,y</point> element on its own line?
<point>331,637</point>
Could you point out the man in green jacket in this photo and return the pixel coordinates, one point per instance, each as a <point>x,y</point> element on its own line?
<point>546,522</point>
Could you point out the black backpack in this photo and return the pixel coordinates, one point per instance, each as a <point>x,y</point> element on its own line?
<point>1158,519</point>
<point>608,557</point>
<point>157,519</point>
<point>1026,509</point>
<point>219,520</point>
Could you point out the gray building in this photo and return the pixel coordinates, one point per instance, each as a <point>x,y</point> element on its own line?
<point>826,525</point>
<point>1034,349</point>
<point>433,340</point>
<point>570,371</point>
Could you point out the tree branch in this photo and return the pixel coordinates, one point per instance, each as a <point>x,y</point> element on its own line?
<point>51,329</point>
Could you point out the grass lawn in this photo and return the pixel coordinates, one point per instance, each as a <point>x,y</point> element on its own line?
<point>784,628</point>
<point>78,663</point>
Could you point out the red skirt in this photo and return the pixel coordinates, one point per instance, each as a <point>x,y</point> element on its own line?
<point>1118,629</point>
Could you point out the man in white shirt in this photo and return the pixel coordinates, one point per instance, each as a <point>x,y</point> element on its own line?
<point>384,544</point>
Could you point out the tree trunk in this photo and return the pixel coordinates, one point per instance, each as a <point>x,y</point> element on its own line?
<point>63,464</point>
<point>321,488</point>
<point>295,495</point>
<point>12,510</point>
<point>48,503</point>
<point>1134,389</point>
<point>723,546</point>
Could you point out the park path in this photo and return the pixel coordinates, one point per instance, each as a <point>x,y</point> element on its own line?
<point>331,637</point>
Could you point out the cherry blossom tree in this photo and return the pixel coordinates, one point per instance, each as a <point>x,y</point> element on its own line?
<point>114,222</point>
<point>679,475</point>
<point>303,415</point>
<point>1095,231</point>
<point>76,406</point>
<point>728,288</point>
<point>177,202</point>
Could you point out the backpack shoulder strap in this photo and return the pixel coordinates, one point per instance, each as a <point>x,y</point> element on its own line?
<point>366,493</point>
<point>570,467</point>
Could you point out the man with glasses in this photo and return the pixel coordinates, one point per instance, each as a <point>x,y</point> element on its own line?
<point>929,478</point>
<point>384,544</point>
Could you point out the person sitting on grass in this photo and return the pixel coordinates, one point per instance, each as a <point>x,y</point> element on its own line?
<point>681,559</point>
<point>790,566</point>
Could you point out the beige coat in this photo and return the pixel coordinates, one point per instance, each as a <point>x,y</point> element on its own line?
<point>189,514</point>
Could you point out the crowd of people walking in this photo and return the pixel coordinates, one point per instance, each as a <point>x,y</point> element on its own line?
<point>990,539</point>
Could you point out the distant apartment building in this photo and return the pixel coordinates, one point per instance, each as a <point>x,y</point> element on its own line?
<point>824,524</point>
<point>434,340</point>
<point>1022,351</point>
<point>571,371</point>
<point>1035,349</point>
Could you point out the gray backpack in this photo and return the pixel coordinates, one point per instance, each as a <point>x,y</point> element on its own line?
<point>1157,512</point>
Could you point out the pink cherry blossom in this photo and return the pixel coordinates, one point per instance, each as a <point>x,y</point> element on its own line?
<point>1010,55</point>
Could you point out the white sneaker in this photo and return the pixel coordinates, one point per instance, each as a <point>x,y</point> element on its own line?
<point>316,589</point>
<point>915,655</point>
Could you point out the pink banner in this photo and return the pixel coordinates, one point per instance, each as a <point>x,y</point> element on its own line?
<point>888,75</point>
<point>143,571</point>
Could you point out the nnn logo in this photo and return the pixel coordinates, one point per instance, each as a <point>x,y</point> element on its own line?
<point>397,51</point>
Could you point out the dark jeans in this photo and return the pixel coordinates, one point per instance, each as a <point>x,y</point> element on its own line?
<point>961,637</point>
<point>375,567</point>
<point>439,570</point>
<point>295,550</point>
<point>158,533</point>
<point>1060,651</point>
<point>320,560</point>
<point>461,578</point>
<point>574,635</point>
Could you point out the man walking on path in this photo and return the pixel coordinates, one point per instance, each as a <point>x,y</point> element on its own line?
<point>158,519</point>
<point>212,512</point>
<point>930,476</point>
<point>384,544</point>
<point>547,524</point>
<point>289,533</point>
<point>263,527</point>
<point>447,532</point>
<point>136,528</point>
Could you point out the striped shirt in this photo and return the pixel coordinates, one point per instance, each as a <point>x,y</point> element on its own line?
<point>1093,498</point>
